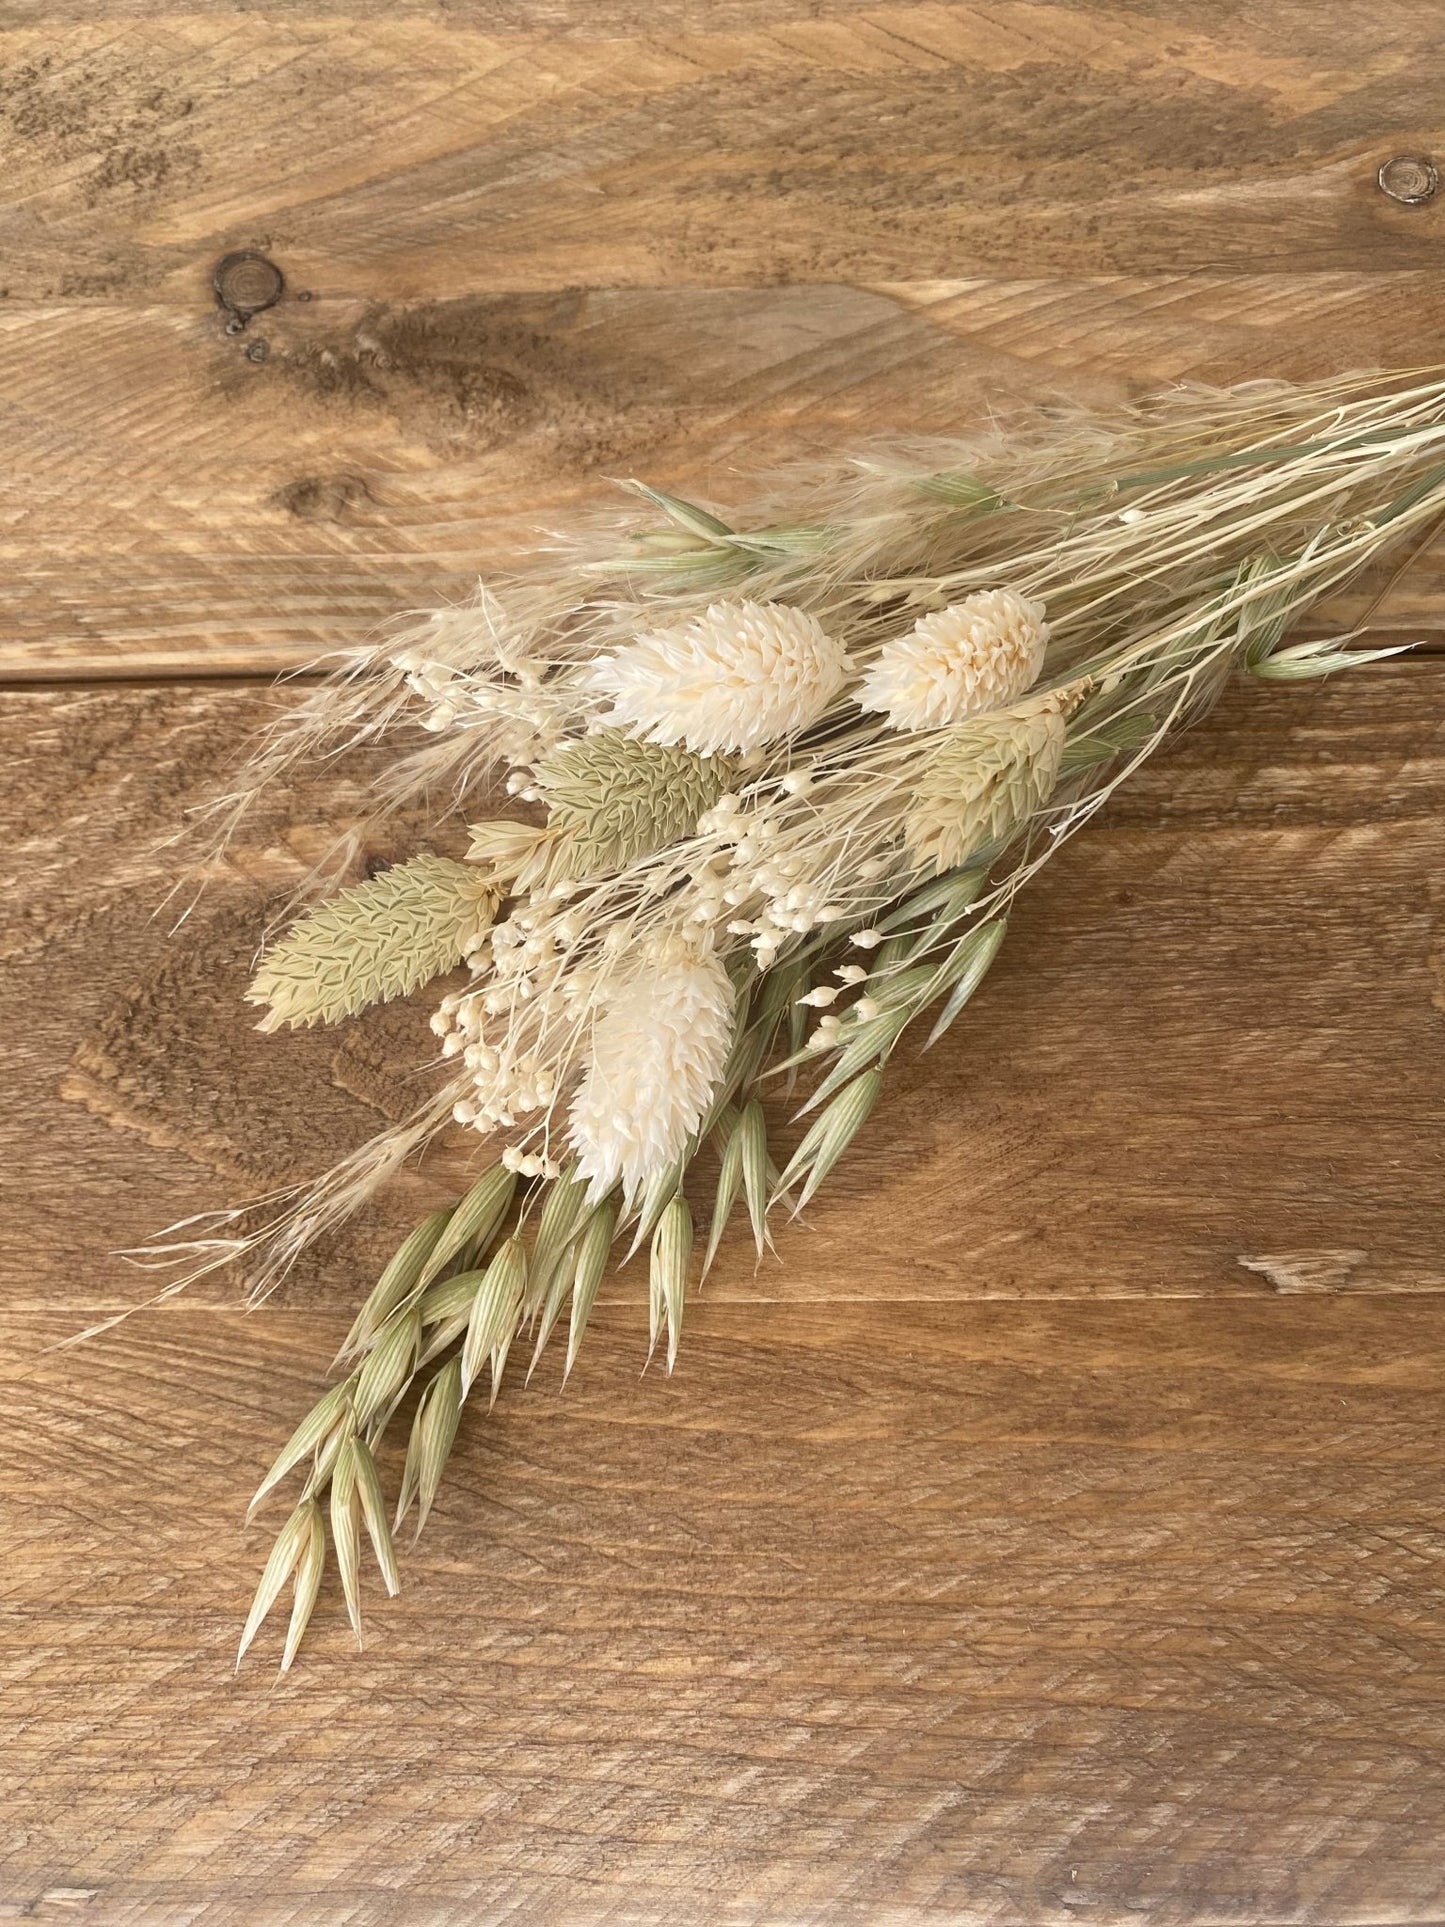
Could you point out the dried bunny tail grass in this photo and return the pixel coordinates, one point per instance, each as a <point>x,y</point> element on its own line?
<point>657,1050</point>
<point>736,676</point>
<point>970,657</point>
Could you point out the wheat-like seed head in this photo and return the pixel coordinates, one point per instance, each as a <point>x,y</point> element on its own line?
<point>614,799</point>
<point>378,940</point>
<point>986,776</point>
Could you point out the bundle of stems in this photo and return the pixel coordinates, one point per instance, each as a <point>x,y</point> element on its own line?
<point>778,778</point>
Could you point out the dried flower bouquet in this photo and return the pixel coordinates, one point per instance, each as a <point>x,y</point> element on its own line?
<point>783,777</point>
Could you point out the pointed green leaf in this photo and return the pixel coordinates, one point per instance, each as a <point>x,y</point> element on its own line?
<point>862,1044</point>
<point>495,1308</point>
<point>946,896</point>
<point>373,1510</point>
<point>757,1170</point>
<point>450,1298</point>
<point>655,1200</point>
<point>1407,498</point>
<point>829,1136</point>
<point>749,1044</point>
<point>396,1282</point>
<point>433,1434</point>
<point>558,1291</point>
<point>561,1215</point>
<point>729,1183</point>
<point>497,1359</point>
<point>291,1541</point>
<point>1090,747</point>
<point>309,1569</point>
<point>962,491</point>
<point>1308,659</point>
<point>308,1436</point>
<point>593,1245</point>
<point>667,1283</point>
<point>978,950</point>
<point>473,1221</point>
<point>389,1365</point>
<point>687,515</point>
<point>346,1535</point>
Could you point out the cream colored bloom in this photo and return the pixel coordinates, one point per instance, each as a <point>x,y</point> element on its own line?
<point>737,676</point>
<point>974,656</point>
<point>658,1048</point>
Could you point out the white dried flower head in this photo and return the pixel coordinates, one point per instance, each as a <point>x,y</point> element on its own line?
<point>737,676</point>
<point>658,1048</point>
<point>976,655</point>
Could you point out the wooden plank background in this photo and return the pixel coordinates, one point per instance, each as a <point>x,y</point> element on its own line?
<point>1057,1535</point>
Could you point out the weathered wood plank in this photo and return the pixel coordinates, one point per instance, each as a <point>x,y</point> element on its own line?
<point>1049,1612</point>
<point>484,149</point>
<point>1212,1036</point>
<point>1110,1593</point>
<point>170,507</point>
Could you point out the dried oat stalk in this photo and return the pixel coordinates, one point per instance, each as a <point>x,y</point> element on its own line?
<point>611,799</point>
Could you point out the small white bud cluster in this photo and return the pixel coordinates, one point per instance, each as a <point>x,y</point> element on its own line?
<point>510,700</point>
<point>829,1031</point>
<point>529,1164</point>
<point>507,1032</point>
<point>435,683</point>
<point>522,715</point>
<point>764,884</point>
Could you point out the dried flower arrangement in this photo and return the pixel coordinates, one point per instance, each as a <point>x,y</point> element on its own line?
<point>786,775</point>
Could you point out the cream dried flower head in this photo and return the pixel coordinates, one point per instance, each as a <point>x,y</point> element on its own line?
<point>737,676</point>
<point>658,1048</point>
<point>976,655</point>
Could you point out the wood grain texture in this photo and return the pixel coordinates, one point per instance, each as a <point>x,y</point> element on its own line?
<point>169,507</point>
<point>765,141</point>
<point>1042,1613</point>
<point>1056,1537</point>
<point>543,246</point>
<point>1117,1600</point>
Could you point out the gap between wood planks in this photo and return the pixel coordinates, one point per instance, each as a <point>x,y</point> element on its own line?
<point>95,675</point>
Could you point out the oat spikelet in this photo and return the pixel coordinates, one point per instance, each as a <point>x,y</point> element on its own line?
<point>658,1048</point>
<point>614,799</point>
<point>986,776</point>
<point>736,676</point>
<point>975,655</point>
<point>375,941</point>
